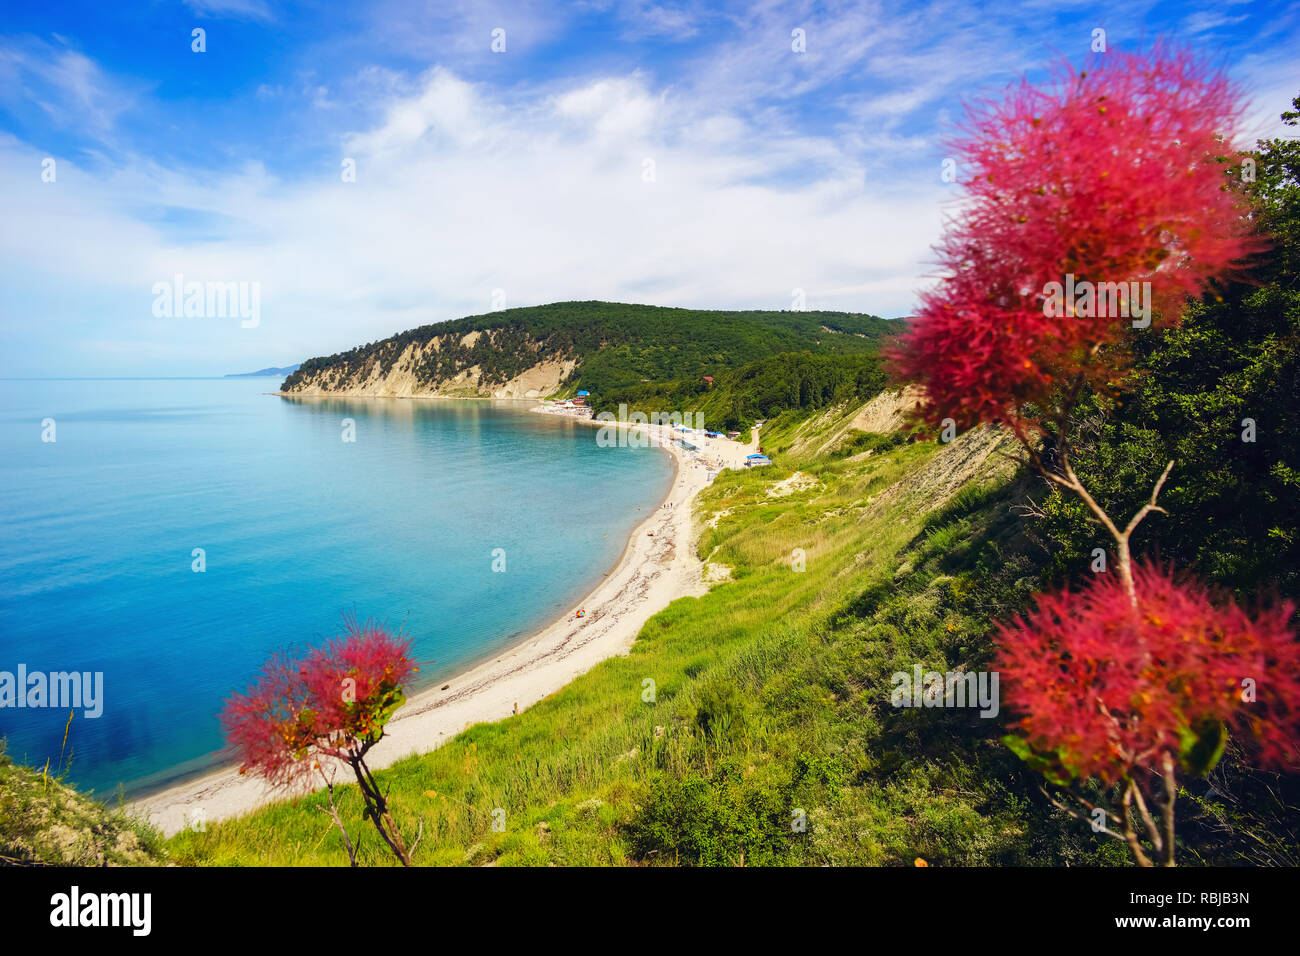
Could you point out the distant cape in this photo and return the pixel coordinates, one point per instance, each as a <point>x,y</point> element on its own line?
<point>280,372</point>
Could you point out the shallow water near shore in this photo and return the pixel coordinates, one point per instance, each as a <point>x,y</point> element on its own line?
<point>296,526</point>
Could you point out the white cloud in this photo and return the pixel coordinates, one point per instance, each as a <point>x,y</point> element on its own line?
<point>471,179</point>
<point>64,84</point>
<point>611,107</point>
<point>459,193</point>
<point>447,108</point>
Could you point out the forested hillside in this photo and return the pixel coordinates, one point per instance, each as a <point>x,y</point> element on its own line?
<point>789,381</point>
<point>602,347</point>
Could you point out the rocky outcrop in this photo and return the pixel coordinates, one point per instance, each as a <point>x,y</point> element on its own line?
<point>445,365</point>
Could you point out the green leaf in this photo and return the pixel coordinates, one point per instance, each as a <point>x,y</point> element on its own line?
<point>1203,746</point>
<point>1018,746</point>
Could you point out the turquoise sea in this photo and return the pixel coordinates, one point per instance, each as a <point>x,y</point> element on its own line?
<point>98,531</point>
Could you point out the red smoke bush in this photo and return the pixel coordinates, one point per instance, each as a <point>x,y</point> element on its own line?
<point>1117,176</point>
<point>1103,689</point>
<point>331,704</point>
<point>1110,175</point>
<point>301,708</point>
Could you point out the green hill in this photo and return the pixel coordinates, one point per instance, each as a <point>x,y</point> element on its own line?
<point>602,347</point>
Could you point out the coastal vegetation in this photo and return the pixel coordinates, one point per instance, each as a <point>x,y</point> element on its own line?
<point>791,381</point>
<point>612,346</point>
<point>46,822</point>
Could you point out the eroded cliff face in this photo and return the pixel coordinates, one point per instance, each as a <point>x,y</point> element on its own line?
<point>446,365</point>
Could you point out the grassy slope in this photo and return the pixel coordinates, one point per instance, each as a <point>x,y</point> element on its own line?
<point>769,700</point>
<point>43,822</point>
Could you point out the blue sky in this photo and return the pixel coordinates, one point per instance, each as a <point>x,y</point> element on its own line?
<point>677,154</point>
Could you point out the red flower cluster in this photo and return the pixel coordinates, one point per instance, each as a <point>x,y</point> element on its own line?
<point>1101,688</point>
<point>336,698</point>
<point>1110,176</point>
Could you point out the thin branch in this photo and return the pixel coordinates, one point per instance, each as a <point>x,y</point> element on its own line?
<point>333,813</point>
<point>1171,795</point>
<point>1134,844</point>
<point>1082,819</point>
<point>418,837</point>
<point>1075,485</point>
<point>1147,819</point>
<point>1151,505</point>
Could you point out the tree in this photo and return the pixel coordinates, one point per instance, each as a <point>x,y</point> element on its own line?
<point>303,715</point>
<point>1096,206</point>
<point>1216,394</point>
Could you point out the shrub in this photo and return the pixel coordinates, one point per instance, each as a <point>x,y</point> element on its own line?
<point>721,711</point>
<point>304,714</point>
<point>724,819</point>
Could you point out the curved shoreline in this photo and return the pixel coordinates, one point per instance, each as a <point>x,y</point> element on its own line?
<point>658,566</point>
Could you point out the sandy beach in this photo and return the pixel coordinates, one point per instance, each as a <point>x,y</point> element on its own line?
<point>658,566</point>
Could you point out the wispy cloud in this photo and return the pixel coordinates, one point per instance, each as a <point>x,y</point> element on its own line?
<point>256,10</point>
<point>66,86</point>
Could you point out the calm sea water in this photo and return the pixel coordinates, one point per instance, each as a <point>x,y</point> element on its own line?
<point>99,527</point>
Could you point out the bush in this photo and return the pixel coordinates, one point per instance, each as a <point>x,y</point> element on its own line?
<point>721,713</point>
<point>724,819</point>
<point>875,442</point>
